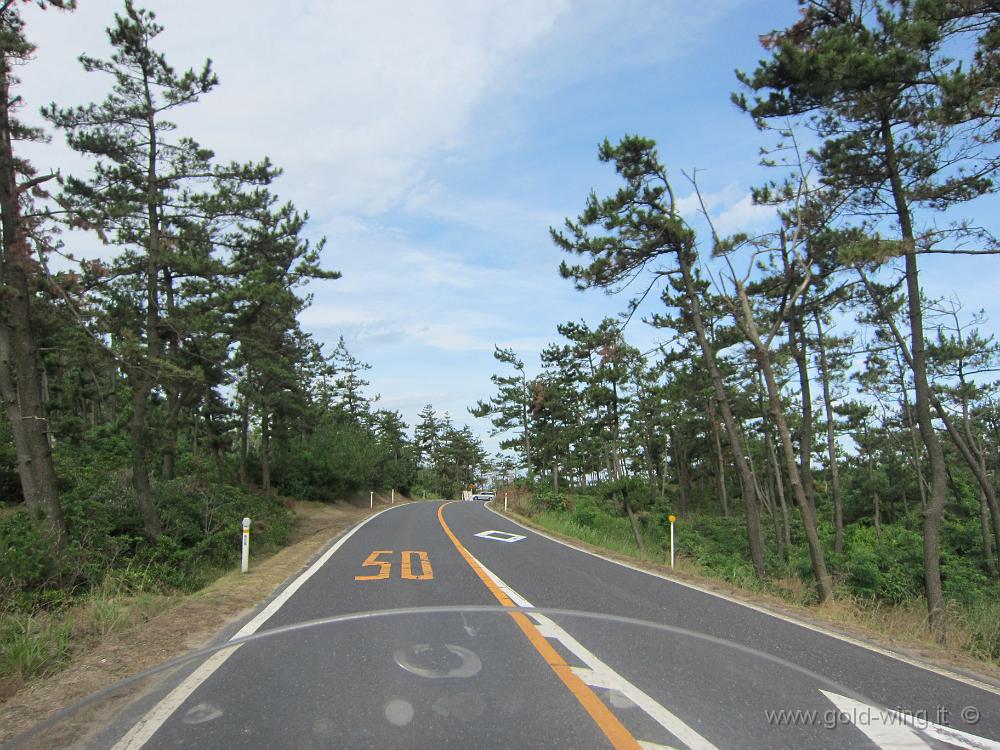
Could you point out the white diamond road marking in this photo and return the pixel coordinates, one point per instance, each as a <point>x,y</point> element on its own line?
<point>501,536</point>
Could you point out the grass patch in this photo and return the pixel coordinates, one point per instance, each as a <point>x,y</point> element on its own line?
<point>39,643</point>
<point>32,645</point>
<point>613,536</point>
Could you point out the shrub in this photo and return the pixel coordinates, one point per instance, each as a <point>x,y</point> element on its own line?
<point>586,515</point>
<point>547,500</point>
<point>25,560</point>
<point>889,568</point>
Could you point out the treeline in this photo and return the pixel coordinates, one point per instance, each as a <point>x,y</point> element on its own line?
<point>156,395</point>
<point>806,383</point>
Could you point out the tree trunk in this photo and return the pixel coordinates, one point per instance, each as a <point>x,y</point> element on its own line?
<point>20,384</point>
<point>831,442</point>
<point>194,432</point>
<point>173,405</point>
<point>977,463</point>
<point>141,375</point>
<point>824,585</point>
<point>769,504</point>
<point>876,501</point>
<point>525,426</point>
<point>797,347</point>
<point>683,472</point>
<point>140,463</point>
<point>633,521</point>
<point>779,486</point>
<point>984,522</point>
<point>244,440</point>
<point>918,350</point>
<point>265,451</point>
<point>720,461</point>
<point>915,453</point>
<point>755,539</point>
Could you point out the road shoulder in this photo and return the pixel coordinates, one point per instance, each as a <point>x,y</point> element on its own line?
<point>195,621</point>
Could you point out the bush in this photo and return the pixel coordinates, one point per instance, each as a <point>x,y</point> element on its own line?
<point>202,522</point>
<point>107,543</point>
<point>547,500</point>
<point>586,515</point>
<point>25,560</point>
<point>889,568</point>
<point>10,481</point>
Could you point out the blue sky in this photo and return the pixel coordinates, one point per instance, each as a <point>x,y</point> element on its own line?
<point>434,143</point>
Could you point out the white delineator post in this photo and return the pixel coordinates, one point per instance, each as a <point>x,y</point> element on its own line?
<point>393,501</point>
<point>672,518</point>
<point>371,499</point>
<point>245,559</point>
<point>505,501</point>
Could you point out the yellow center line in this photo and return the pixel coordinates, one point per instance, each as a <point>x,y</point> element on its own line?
<point>608,723</point>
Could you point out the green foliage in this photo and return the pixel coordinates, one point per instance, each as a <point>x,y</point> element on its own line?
<point>586,515</point>
<point>717,545</point>
<point>24,558</point>
<point>10,484</point>
<point>449,460</point>
<point>32,645</point>
<point>548,500</point>
<point>202,522</point>
<point>888,567</point>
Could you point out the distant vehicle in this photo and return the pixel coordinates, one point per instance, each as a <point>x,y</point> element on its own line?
<point>485,495</point>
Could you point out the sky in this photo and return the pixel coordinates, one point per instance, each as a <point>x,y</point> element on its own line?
<point>434,143</point>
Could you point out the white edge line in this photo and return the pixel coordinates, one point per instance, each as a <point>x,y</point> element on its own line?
<point>940,671</point>
<point>142,730</point>
<point>605,674</point>
<point>878,725</point>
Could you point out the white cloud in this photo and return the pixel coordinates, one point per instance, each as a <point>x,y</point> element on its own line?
<point>353,99</point>
<point>731,209</point>
<point>744,216</point>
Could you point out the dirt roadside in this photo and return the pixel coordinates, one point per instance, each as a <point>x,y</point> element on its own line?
<point>191,624</point>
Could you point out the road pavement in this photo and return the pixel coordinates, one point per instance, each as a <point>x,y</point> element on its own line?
<point>708,672</point>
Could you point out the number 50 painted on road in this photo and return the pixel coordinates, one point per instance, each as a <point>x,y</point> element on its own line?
<point>406,566</point>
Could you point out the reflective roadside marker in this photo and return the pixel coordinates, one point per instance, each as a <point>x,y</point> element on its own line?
<point>371,499</point>
<point>671,518</point>
<point>245,559</point>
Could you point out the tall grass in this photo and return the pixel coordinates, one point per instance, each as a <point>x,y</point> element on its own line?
<point>39,643</point>
<point>32,645</point>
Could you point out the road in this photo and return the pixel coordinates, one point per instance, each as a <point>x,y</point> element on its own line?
<point>715,674</point>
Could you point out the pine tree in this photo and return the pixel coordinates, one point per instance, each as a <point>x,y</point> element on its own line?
<point>643,231</point>
<point>509,409</point>
<point>144,192</point>
<point>20,374</point>
<point>904,125</point>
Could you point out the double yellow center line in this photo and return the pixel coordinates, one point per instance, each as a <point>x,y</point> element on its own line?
<point>608,723</point>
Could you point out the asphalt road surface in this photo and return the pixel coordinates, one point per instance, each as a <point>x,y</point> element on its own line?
<point>714,673</point>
